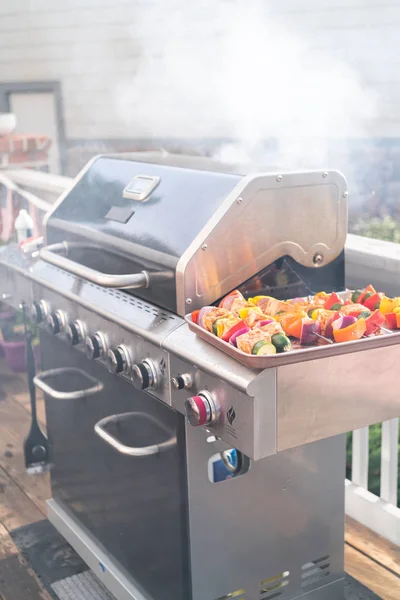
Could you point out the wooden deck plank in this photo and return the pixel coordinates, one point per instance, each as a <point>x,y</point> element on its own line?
<point>17,580</point>
<point>14,426</point>
<point>14,386</point>
<point>16,509</point>
<point>366,541</point>
<point>373,576</point>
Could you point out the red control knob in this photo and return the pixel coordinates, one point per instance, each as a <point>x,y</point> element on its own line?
<point>201,409</point>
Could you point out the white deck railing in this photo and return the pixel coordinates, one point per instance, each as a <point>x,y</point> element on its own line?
<point>376,262</point>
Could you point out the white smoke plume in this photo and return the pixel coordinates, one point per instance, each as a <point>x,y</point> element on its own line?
<point>231,69</point>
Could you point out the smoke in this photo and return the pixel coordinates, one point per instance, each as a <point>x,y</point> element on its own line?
<point>232,70</point>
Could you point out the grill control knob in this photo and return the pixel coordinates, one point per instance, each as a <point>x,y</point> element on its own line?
<point>118,360</point>
<point>56,322</point>
<point>144,375</point>
<point>39,311</point>
<point>182,382</point>
<point>75,333</point>
<point>201,409</point>
<point>95,345</point>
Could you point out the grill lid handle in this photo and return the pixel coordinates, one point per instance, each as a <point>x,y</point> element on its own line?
<point>52,254</point>
<point>131,450</point>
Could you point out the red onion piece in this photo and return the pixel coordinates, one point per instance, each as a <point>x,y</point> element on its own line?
<point>232,339</point>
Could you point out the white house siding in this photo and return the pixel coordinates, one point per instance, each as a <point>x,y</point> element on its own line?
<point>95,48</point>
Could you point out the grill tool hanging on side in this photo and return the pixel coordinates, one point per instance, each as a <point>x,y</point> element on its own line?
<point>36,445</point>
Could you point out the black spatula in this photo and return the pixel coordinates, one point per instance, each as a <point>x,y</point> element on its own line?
<point>36,445</point>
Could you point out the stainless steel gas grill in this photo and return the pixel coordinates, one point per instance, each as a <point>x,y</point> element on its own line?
<point>179,473</point>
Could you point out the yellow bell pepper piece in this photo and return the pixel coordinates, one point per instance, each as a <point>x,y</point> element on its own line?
<point>257,299</point>
<point>387,305</point>
<point>243,312</point>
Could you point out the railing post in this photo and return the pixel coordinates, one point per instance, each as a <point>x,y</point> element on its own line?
<point>389,460</point>
<point>360,457</point>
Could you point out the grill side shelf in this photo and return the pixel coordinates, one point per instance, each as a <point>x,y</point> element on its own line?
<point>294,356</point>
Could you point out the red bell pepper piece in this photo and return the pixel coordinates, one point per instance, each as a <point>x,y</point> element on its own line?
<point>227,336</point>
<point>391,320</point>
<point>195,316</point>
<point>373,302</point>
<point>374,322</point>
<point>332,300</point>
<point>368,290</point>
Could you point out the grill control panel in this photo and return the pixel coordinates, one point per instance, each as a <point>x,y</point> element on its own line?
<point>124,354</point>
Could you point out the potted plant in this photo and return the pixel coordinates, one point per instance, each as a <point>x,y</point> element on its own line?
<point>13,343</point>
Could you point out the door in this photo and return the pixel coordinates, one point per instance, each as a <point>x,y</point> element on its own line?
<point>135,506</point>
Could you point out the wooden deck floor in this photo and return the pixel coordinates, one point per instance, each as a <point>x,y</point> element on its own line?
<point>369,559</point>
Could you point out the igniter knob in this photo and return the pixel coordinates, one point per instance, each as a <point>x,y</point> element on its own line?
<point>145,375</point>
<point>75,333</point>
<point>118,360</point>
<point>201,409</point>
<point>56,322</point>
<point>95,345</point>
<point>39,311</point>
<point>182,382</point>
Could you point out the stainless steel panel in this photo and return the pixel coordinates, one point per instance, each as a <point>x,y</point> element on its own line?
<point>184,344</point>
<point>322,398</point>
<point>137,316</point>
<point>253,428</point>
<point>302,215</point>
<point>138,346</point>
<point>286,512</point>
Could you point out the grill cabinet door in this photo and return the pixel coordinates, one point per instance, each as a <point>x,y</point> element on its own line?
<point>134,506</point>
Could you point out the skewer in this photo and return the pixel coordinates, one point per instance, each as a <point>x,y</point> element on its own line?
<point>324,338</point>
<point>386,330</point>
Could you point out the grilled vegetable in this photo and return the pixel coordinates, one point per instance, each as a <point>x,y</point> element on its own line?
<point>264,322</point>
<point>235,326</point>
<point>213,315</point>
<point>364,314</point>
<point>263,348</point>
<point>350,333</point>
<point>238,333</point>
<point>343,322</point>
<point>374,322</point>
<point>373,301</point>
<point>195,316</point>
<point>336,306</point>
<point>281,342</point>
<point>391,321</point>
<point>203,312</point>
<point>230,298</point>
<point>368,290</point>
<point>333,300</point>
<point>310,330</point>
<point>387,305</point>
<point>327,331</point>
